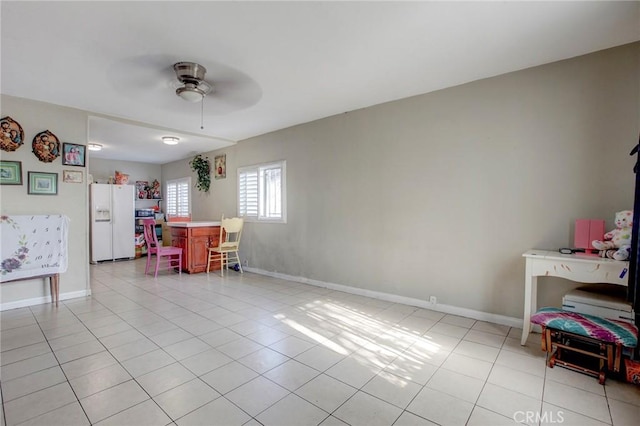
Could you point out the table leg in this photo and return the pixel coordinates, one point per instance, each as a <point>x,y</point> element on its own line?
<point>530,302</point>
<point>54,284</point>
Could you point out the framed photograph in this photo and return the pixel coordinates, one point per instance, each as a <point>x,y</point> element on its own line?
<point>221,166</point>
<point>41,183</point>
<point>73,154</point>
<point>72,176</point>
<point>10,173</point>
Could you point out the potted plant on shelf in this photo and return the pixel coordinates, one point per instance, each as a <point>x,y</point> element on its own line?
<point>202,167</point>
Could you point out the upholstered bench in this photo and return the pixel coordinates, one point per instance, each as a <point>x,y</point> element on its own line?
<point>565,333</point>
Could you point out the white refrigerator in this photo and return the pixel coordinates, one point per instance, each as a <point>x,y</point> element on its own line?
<point>112,222</point>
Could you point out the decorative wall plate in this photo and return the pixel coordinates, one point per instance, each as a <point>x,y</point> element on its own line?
<point>12,134</point>
<point>46,146</point>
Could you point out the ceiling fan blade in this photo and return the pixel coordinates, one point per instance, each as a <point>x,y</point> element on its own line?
<point>140,73</point>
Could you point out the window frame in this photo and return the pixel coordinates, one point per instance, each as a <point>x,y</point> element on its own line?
<point>259,169</point>
<point>177,182</point>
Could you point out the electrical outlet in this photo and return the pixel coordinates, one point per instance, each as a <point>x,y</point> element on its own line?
<point>433,300</point>
<point>245,262</point>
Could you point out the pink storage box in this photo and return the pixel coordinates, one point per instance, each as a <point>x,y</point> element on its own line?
<point>586,231</point>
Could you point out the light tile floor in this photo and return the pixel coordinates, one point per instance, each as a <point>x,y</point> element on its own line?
<point>248,349</point>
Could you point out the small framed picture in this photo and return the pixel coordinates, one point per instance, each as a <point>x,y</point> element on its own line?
<point>221,166</point>
<point>10,173</point>
<point>72,176</point>
<point>73,154</point>
<point>41,183</point>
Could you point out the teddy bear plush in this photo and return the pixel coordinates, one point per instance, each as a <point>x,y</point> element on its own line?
<point>617,242</point>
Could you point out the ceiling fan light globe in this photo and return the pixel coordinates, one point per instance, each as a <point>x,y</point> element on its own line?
<point>190,94</point>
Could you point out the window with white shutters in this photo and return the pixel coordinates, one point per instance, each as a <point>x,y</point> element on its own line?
<point>262,192</point>
<point>178,197</point>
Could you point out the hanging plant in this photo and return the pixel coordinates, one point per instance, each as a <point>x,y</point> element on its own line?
<point>202,167</point>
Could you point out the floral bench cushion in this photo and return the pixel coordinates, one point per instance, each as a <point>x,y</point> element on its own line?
<point>607,330</point>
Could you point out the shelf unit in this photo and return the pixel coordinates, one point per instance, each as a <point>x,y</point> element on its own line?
<point>146,203</point>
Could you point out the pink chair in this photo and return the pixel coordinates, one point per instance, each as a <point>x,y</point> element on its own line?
<point>154,248</point>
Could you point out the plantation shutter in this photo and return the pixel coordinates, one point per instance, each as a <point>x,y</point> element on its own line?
<point>178,197</point>
<point>248,193</point>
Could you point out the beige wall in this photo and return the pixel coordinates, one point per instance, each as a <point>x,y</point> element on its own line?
<point>101,170</point>
<point>440,194</point>
<point>202,203</point>
<point>69,125</point>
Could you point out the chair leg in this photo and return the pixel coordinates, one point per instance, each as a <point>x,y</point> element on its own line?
<point>157,264</point>
<point>180,263</point>
<point>211,257</point>
<point>239,263</point>
<point>146,269</point>
<point>222,257</point>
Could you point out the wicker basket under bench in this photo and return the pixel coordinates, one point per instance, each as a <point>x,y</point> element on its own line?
<point>569,337</point>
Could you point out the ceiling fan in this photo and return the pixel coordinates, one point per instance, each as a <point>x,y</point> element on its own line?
<point>154,80</point>
<point>191,75</point>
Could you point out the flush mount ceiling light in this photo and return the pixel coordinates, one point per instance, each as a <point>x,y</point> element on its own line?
<point>170,140</point>
<point>94,147</point>
<point>191,75</point>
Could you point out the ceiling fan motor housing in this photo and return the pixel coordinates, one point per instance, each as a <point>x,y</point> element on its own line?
<point>192,76</point>
<point>189,72</point>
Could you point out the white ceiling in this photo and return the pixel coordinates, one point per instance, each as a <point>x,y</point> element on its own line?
<point>275,64</point>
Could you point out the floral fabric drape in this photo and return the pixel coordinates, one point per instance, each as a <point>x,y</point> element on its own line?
<point>33,245</point>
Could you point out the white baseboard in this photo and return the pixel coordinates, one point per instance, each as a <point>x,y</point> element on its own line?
<point>447,309</point>
<point>42,300</point>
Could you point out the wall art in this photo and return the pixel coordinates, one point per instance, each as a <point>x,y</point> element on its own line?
<point>221,166</point>
<point>10,173</point>
<point>46,146</point>
<point>12,134</point>
<point>73,154</point>
<point>72,176</point>
<point>41,183</point>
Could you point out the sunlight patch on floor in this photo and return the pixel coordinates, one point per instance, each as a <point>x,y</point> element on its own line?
<point>372,342</point>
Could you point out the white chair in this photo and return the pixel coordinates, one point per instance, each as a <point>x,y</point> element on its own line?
<point>227,250</point>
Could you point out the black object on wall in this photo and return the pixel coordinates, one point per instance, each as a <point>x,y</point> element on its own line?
<point>633,291</point>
